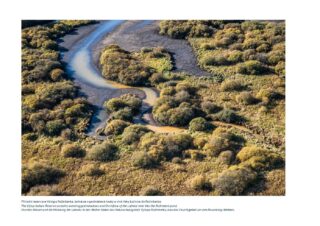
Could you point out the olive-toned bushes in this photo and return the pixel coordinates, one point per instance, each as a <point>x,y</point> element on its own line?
<point>116,127</point>
<point>252,67</point>
<point>232,85</point>
<point>222,140</point>
<point>199,124</point>
<point>39,174</point>
<point>49,95</point>
<point>124,114</point>
<point>249,47</point>
<point>228,116</point>
<point>164,148</point>
<point>73,150</point>
<point>142,159</point>
<point>126,100</point>
<point>177,105</point>
<point>233,181</point>
<point>136,68</point>
<point>209,107</point>
<point>103,152</point>
<point>68,114</point>
<point>188,28</point>
<point>246,98</point>
<point>119,65</point>
<point>259,159</point>
<point>132,134</point>
<point>123,107</point>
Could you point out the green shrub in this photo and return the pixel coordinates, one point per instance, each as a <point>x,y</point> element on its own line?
<point>54,127</point>
<point>246,98</point>
<point>150,191</point>
<point>200,140</point>
<point>209,108</point>
<point>73,150</point>
<point>232,85</point>
<point>126,100</point>
<point>124,114</point>
<point>157,78</point>
<point>199,124</point>
<point>178,116</point>
<point>217,60</point>
<point>228,116</point>
<point>249,54</point>
<point>263,48</point>
<point>235,56</point>
<point>142,159</point>
<point>200,182</point>
<point>259,159</point>
<point>103,152</point>
<point>165,147</point>
<point>122,66</point>
<point>133,133</point>
<point>233,181</point>
<point>39,174</point>
<point>195,155</point>
<point>251,67</point>
<point>116,127</point>
<point>268,95</point>
<point>274,57</point>
<point>181,29</point>
<point>222,140</point>
<point>77,110</point>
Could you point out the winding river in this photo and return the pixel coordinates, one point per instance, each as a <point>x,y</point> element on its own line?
<point>80,67</point>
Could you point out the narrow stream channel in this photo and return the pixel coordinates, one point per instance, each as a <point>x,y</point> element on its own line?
<point>97,89</point>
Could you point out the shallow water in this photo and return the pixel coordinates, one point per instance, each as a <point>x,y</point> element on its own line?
<point>83,71</point>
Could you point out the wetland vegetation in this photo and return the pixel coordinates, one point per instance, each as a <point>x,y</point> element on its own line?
<point>221,132</point>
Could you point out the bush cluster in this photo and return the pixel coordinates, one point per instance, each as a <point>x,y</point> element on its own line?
<point>136,68</point>
<point>259,159</point>
<point>199,124</point>
<point>115,127</point>
<point>45,92</point>
<point>103,152</point>
<point>39,174</point>
<point>233,181</point>
<point>73,151</point>
<point>222,140</point>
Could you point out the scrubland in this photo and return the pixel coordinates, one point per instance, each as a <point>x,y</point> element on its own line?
<point>233,121</point>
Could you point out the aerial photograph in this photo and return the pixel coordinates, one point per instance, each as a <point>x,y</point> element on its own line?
<point>153,107</point>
